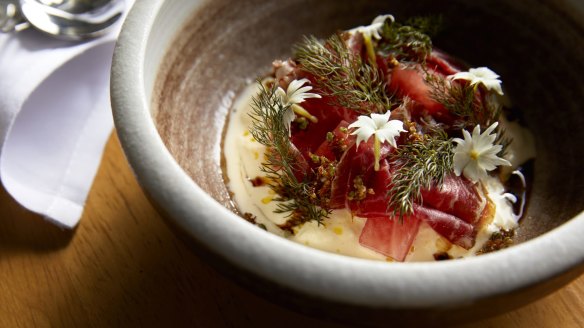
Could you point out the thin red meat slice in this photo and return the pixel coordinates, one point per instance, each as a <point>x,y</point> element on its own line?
<point>351,164</point>
<point>409,80</point>
<point>457,196</point>
<point>342,140</point>
<point>308,140</point>
<point>458,206</point>
<point>448,226</point>
<point>299,166</point>
<point>389,236</point>
<point>375,204</point>
<point>442,63</point>
<point>359,161</point>
<point>341,182</point>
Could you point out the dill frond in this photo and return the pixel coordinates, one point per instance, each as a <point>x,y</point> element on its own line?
<point>491,112</point>
<point>430,25</point>
<point>298,198</point>
<point>407,42</point>
<point>503,140</point>
<point>463,100</point>
<point>421,164</point>
<point>352,83</point>
<point>457,98</point>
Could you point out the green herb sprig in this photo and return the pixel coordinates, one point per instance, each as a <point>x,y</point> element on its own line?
<point>430,25</point>
<point>421,164</point>
<point>298,198</point>
<point>408,42</point>
<point>457,98</point>
<point>352,83</point>
<point>462,100</point>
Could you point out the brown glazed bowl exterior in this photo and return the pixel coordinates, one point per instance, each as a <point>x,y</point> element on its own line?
<point>179,65</point>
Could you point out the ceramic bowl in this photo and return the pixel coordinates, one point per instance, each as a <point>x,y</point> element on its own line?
<point>179,65</point>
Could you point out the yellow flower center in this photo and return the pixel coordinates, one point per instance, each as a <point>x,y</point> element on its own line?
<point>474,155</point>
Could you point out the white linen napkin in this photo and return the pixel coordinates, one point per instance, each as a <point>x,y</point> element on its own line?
<point>55,118</point>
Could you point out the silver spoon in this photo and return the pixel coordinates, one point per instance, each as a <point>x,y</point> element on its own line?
<point>71,19</point>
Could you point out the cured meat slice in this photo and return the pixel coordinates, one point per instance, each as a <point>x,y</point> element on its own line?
<point>410,81</point>
<point>341,141</point>
<point>448,226</point>
<point>376,200</point>
<point>442,63</point>
<point>389,236</point>
<point>349,166</point>
<point>452,211</point>
<point>310,138</point>
<point>358,163</point>
<point>457,196</point>
<point>300,165</point>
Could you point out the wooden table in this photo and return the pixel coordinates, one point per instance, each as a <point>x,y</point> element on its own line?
<point>123,267</point>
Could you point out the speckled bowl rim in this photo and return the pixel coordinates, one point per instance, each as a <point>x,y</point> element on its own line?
<point>308,271</point>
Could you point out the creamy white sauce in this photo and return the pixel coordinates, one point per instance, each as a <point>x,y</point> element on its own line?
<point>340,232</point>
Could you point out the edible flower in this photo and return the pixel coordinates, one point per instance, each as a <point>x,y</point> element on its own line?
<point>477,154</point>
<point>380,126</point>
<point>372,31</point>
<point>481,75</point>
<point>295,94</point>
<point>374,28</point>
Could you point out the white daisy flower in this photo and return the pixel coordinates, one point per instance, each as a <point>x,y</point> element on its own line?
<point>481,75</point>
<point>477,154</point>
<point>374,28</point>
<point>295,94</point>
<point>380,126</point>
